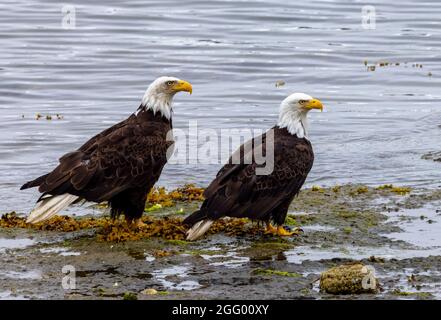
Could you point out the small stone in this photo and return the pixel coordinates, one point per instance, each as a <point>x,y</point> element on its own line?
<point>149,291</point>
<point>376,259</point>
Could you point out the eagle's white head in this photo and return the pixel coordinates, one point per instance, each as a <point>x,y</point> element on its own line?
<point>159,95</point>
<point>293,113</point>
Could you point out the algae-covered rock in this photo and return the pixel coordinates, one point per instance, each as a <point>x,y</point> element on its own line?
<point>150,291</point>
<point>130,296</point>
<point>349,279</point>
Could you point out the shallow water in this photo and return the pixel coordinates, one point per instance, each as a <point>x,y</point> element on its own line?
<point>420,227</point>
<point>6,244</point>
<point>180,272</point>
<point>375,128</point>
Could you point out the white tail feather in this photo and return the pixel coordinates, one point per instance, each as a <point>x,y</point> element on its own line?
<point>50,206</point>
<point>198,229</point>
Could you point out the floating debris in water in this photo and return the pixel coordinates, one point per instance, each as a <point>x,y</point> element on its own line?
<point>280,83</point>
<point>38,116</point>
<point>435,156</point>
<point>372,67</point>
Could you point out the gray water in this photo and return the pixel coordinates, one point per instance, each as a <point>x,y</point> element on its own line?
<point>375,128</point>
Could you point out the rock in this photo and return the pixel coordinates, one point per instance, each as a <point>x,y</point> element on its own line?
<point>349,279</point>
<point>130,296</point>
<point>149,292</point>
<point>376,259</point>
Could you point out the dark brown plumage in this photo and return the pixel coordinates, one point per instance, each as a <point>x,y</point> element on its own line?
<point>245,189</point>
<point>119,165</point>
<point>238,192</point>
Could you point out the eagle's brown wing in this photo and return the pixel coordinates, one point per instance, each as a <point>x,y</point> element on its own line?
<point>238,192</point>
<point>120,157</point>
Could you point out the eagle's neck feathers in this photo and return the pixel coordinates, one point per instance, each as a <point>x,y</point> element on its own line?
<point>158,103</point>
<point>294,120</point>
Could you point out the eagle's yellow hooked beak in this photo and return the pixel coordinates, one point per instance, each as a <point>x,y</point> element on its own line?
<point>182,85</point>
<point>314,104</point>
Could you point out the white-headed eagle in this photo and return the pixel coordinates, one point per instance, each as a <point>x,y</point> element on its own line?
<point>119,165</point>
<point>238,191</point>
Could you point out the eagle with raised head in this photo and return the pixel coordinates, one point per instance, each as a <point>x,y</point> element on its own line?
<point>240,191</point>
<point>119,165</point>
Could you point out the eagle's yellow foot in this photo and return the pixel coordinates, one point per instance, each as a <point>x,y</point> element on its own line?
<point>138,224</point>
<point>281,231</point>
<point>270,229</point>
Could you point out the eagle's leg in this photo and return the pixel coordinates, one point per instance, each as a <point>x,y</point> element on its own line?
<point>270,229</point>
<point>279,216</point>
<point>131,203</point>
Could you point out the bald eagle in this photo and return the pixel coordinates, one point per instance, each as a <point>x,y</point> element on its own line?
<point>238,191</point>
<point>119,165</point>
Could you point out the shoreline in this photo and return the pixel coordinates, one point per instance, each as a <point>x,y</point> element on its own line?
<point>342,224</point>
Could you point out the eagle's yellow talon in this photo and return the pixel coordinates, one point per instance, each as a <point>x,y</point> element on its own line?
<point>281,231</point>
<point>139,224</point>
<point>270,229</point>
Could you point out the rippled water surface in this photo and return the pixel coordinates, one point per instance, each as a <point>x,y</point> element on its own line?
<point>376,126</point>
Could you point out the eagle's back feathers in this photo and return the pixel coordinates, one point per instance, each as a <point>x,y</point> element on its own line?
<point>238,192</point>
<point>127,157</point>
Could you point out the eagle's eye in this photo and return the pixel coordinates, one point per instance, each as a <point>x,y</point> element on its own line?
<point>302,101</point>
<point>170,83</point>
